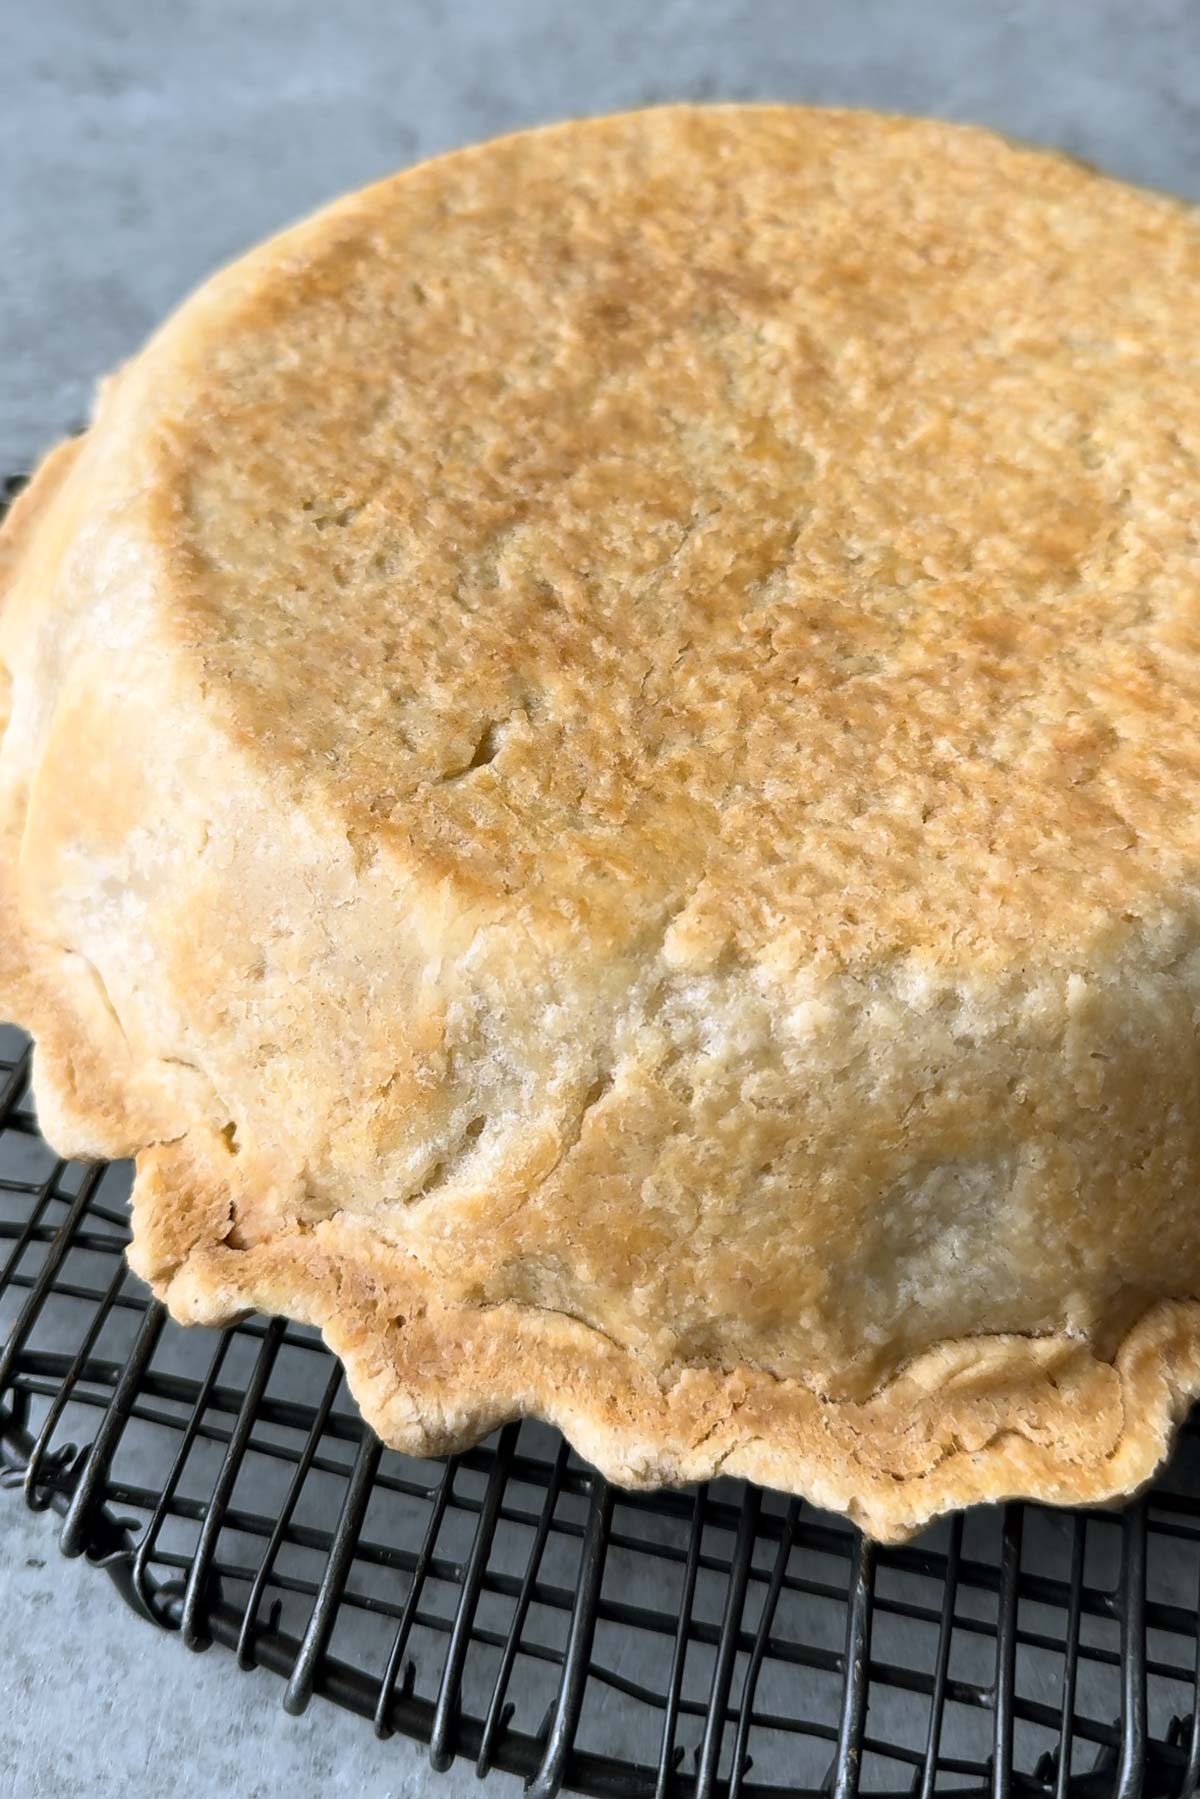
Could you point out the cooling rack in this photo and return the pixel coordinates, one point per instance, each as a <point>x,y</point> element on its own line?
<point>510,1607</point>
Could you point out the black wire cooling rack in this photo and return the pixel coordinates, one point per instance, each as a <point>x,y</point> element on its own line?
<point>510,1607</point>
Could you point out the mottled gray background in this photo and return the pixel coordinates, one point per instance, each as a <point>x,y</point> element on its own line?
<point>142,143</point>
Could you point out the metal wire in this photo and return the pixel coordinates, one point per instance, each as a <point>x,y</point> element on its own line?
<point>507,1605</point>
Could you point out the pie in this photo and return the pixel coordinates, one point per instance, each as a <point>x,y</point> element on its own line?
<point>602,784</point>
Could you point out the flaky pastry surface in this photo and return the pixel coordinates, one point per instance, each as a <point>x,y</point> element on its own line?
<point>602,783</point>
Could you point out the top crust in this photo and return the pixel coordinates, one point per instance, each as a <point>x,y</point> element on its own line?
<point>602,783</point>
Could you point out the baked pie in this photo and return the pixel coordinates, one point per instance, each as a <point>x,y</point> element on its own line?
<point>602,784</point>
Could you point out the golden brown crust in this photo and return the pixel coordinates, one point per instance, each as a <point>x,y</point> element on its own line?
<point>602,784</point>
<point>969,1421</point>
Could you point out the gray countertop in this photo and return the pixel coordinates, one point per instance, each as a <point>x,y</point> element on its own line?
<point>140,146</point>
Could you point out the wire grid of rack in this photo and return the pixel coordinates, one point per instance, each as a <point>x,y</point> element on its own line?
<point>510,1606</point>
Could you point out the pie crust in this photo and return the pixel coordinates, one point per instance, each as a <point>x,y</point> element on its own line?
<point>602,783</point>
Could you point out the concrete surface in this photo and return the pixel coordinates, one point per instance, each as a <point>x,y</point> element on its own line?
<point>140,145</point>
<point>99,1705</point>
